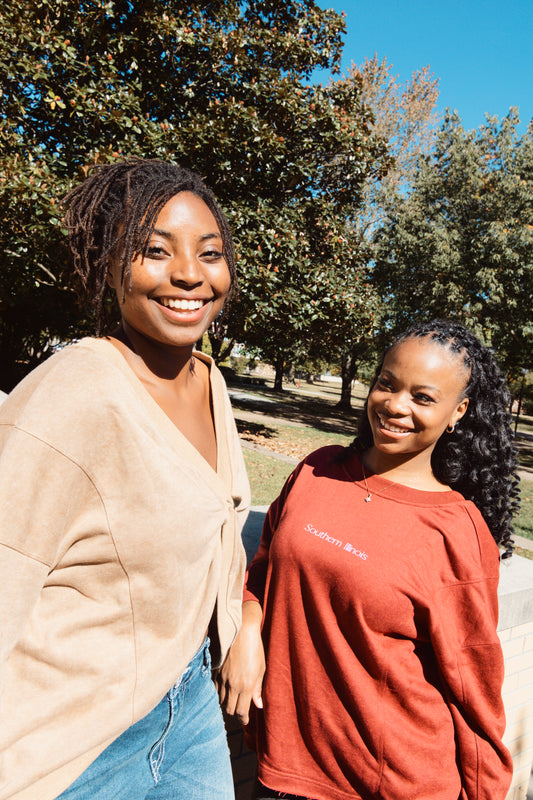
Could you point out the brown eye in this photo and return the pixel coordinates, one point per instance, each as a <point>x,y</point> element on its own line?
<point>383,383</point>
<point>153,251</point>
<point>213,254</point>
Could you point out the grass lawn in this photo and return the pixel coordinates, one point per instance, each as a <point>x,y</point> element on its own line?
<point>524,521</point>
<point>294,441</point>
<point>267,475</point>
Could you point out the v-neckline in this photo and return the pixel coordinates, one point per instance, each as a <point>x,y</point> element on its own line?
<point>172,432</point>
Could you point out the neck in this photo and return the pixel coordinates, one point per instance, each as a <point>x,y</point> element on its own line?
<point>150,359</point>
<point>412,470</point>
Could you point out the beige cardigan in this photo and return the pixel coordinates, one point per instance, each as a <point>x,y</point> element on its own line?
<point>119,547</point>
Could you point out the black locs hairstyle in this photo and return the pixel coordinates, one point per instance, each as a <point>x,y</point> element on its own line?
<point>479,458</point>
<point>111,215</point>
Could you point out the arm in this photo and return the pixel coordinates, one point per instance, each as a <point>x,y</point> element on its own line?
<point>38,492</point>
<point>21,580</point>
<point>470,660</point>
<point>240,678</point>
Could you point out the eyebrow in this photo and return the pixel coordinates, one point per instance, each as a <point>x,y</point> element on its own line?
<point>416,388</point>
<point>172,238</point>
<point>427,386</point>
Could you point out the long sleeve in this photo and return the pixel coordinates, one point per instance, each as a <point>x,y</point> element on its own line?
<point>21,580</point>
<point>39,492</point>
<point>470,660</point>
<point>256,574</point>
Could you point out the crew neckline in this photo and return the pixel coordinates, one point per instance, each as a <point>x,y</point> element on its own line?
<point>382,488</point>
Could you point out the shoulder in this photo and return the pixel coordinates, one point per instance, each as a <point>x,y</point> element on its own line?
<point>470,550</point>
<point>75,385</point>
<point>321,462</point>
<point>83,361</point>
<point>329,456</point>
<point>215,376</point>
<point>324,463</point>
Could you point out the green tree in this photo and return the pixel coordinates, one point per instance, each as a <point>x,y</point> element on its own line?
<point>404,119</point>
<point>221,87</point>
<point>461,243</point>
<point>326,134</point>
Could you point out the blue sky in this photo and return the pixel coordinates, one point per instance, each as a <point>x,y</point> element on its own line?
<point>481,50</point>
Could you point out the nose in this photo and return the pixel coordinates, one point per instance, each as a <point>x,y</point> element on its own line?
<point>397,404</point>
<point>186,270</point>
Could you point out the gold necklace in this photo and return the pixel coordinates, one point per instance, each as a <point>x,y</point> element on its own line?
<point>368,497</point>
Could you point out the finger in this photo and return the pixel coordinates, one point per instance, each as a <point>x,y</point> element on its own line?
<point>230,702</point>
<point>242,708</point>
<point>221,688</point>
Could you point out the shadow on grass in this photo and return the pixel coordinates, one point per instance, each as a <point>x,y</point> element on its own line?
<point>255,428</point>
<point>524,442</point>
<point>317,412</point>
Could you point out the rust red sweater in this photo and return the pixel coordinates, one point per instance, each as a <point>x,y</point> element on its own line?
<point>384,669</point>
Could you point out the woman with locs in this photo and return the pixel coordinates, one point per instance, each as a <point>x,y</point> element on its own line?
<point>122,496</point>
<point>375,586</point>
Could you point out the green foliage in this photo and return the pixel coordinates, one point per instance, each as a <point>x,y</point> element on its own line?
<point>404,119</point>
<point>220,87</point>
<point>461,243</point>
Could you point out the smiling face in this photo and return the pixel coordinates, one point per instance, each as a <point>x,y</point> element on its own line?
<point>418,393</point>
<point>181,283</point>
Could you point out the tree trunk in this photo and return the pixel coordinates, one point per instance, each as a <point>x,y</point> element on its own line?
<point>218,351</point>
<point>519,407</point>
<point>216,344</point>
<point>348,369</point>
<point>278,380</point>
<point>225,352</point>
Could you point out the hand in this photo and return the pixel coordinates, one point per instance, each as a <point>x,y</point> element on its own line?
<point>240,679</point>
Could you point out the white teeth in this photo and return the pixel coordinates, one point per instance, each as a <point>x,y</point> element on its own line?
<point>389,427</point>
<point>181,305</point>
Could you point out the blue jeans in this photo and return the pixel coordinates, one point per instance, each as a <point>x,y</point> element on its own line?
<point>178,751</point>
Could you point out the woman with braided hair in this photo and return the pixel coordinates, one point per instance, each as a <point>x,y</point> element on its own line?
<point>373,596</point>
<point>122,496</point>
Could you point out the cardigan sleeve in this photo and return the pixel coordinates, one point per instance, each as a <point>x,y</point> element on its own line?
<point>39,489</point>
<point>463,632</point>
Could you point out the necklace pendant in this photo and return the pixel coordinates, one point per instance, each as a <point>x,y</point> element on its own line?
<point>368,498</point>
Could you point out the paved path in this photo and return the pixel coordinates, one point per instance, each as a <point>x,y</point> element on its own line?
<point>266,451</point>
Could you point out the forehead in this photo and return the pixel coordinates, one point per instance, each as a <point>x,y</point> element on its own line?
<point>187,210</point>
<point>426,362</point>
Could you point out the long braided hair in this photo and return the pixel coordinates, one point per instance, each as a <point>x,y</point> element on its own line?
<point>110,216</point>
<point>479,458</point>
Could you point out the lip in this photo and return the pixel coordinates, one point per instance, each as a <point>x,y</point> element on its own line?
<point>183,315</point>
<point>164,299</point>
<point>385,425</point>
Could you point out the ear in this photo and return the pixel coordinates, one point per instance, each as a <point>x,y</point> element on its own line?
<point>110,278</point>
<point>460,411</point>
